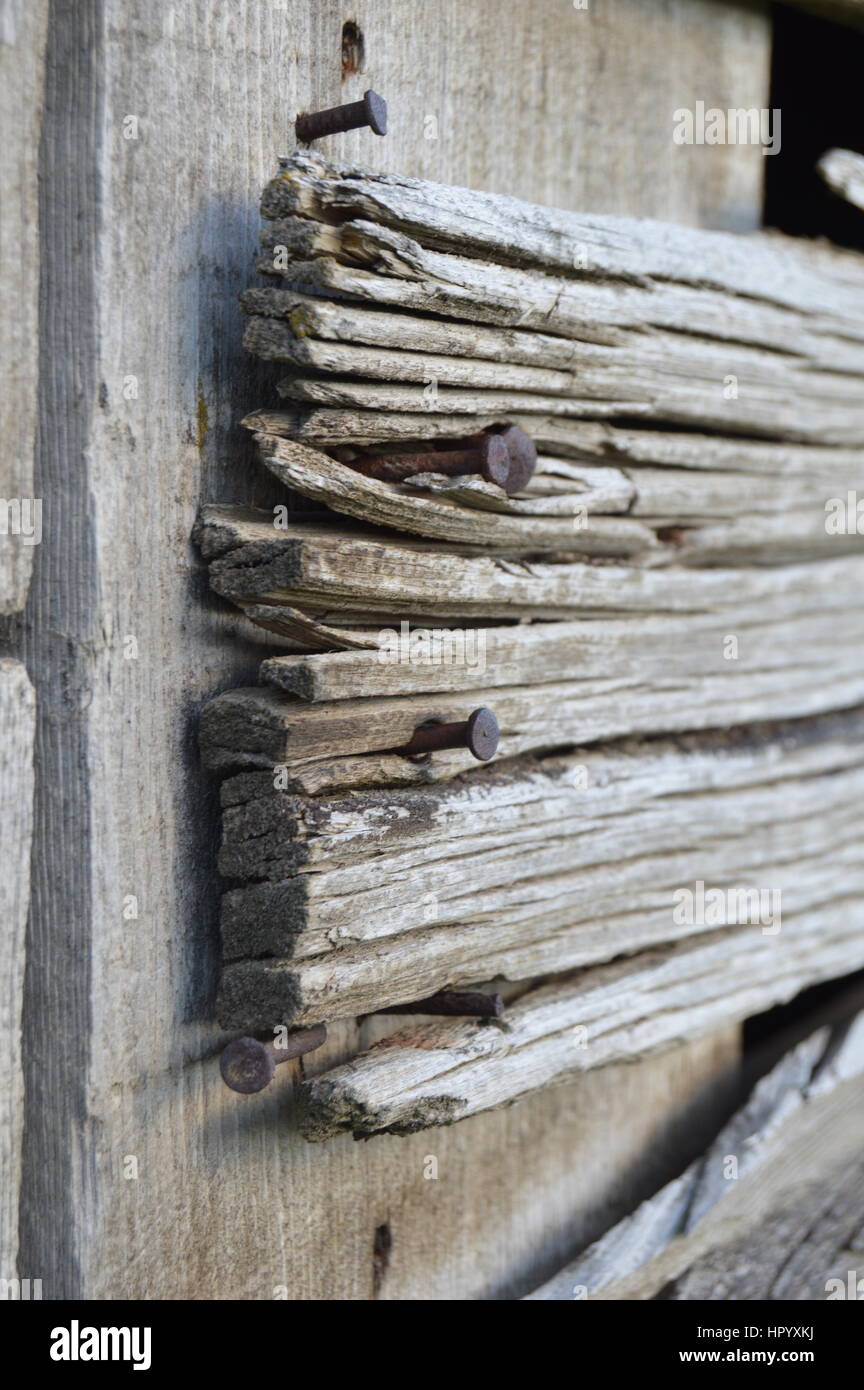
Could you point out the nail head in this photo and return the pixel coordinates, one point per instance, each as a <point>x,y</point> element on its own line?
<point>376,112</point>
<point>483,734</point>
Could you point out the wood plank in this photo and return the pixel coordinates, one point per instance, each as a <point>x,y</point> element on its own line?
<point>17,723</point>
<point>438,1074</point>
<point>364,901</point>
<point>23,30</point>
<point>260,727</point>
<point>254,561</point>
<point>692,1229</point>
<point>325,480</point>
<point>557,69</point>
<point>229,1201</point>
<point>511,231</point>
<point>415,660</point>
<point>657,290</point>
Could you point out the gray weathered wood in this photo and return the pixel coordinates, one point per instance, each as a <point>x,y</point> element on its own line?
<point>350,742</point>
<point>689,1212</point>
<point>644,650</point>
<point>149,243</point>
<point>743,306</point>
<point>789,533</point>
<point>300,565</point>
<point>440,1073</point>
<point>365,902</point>
<point>23,29</point>
<point>17,719</point>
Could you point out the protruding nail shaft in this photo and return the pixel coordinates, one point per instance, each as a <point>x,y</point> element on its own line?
<point>371,111</point>
<point>506,457</point>
<point>479,733</point>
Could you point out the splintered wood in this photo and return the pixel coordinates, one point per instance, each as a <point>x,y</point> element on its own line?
<point>667,622</point>
<point>783,1229</point>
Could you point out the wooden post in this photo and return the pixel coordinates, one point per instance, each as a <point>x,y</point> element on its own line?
<point>162,125</point>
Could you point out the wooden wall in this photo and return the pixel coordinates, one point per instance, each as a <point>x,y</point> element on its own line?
<point>142,1175</point>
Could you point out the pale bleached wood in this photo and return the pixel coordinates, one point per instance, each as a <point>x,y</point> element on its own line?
<point>678,382</point>
<point>684,1221</point>
<point>595,312</point>
<point>808,1250</point>
<point>140,276</point>
<point>417,659</point>
<point>495,228</point>
<point>323,479</point>
<point>17,722</point>
<point>368,898</point>
<point>296,316</point>
<point>335,429</point>
<point>843,171</point>
<point>276,342</point>
<point>779,394</point>
<point>260,727</point>
<point>635,362</point>
<point>441,1073</point>
<point>23,29</point>
<point>322,568</point>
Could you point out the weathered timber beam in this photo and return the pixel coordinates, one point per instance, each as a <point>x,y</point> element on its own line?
<point>497,227</point>
<point>438,1074</point>
<point>678,1233</point>
<point>365,897</point>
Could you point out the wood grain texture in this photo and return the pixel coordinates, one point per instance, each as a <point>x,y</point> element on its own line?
<point>553,72</point>
<point>361,901</point>
<point>419,659</point>
<point>442,1073</point>
<point>786,1231</point>
<point>23,28</point>
<point>617,290</point>
<point>352,742</point>
<point>152,240</point>
<point>254,561</point>
<point>17,720</point>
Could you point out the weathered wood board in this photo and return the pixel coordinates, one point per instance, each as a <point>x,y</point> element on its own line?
<point>154,227</point>
<point>17,719</point>
<point>618,291</point>
<point>443,1072</point>
<point>23,28</point>
<point>770,1211</point>
<point>351,743</point>
<point>361,901</point>
<point>843,171</point>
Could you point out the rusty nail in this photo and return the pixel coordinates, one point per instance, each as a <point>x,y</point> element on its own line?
<point>469,1004</point>
<point>479,733</point>
<point>371,111</point>
<point>247,1064</point>
<point>507,457</point>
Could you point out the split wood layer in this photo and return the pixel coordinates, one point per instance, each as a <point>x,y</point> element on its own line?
<point>686,558</point>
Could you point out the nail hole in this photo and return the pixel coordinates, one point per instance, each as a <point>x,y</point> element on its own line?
<point>353,48</point>
<point>381,1248</point>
